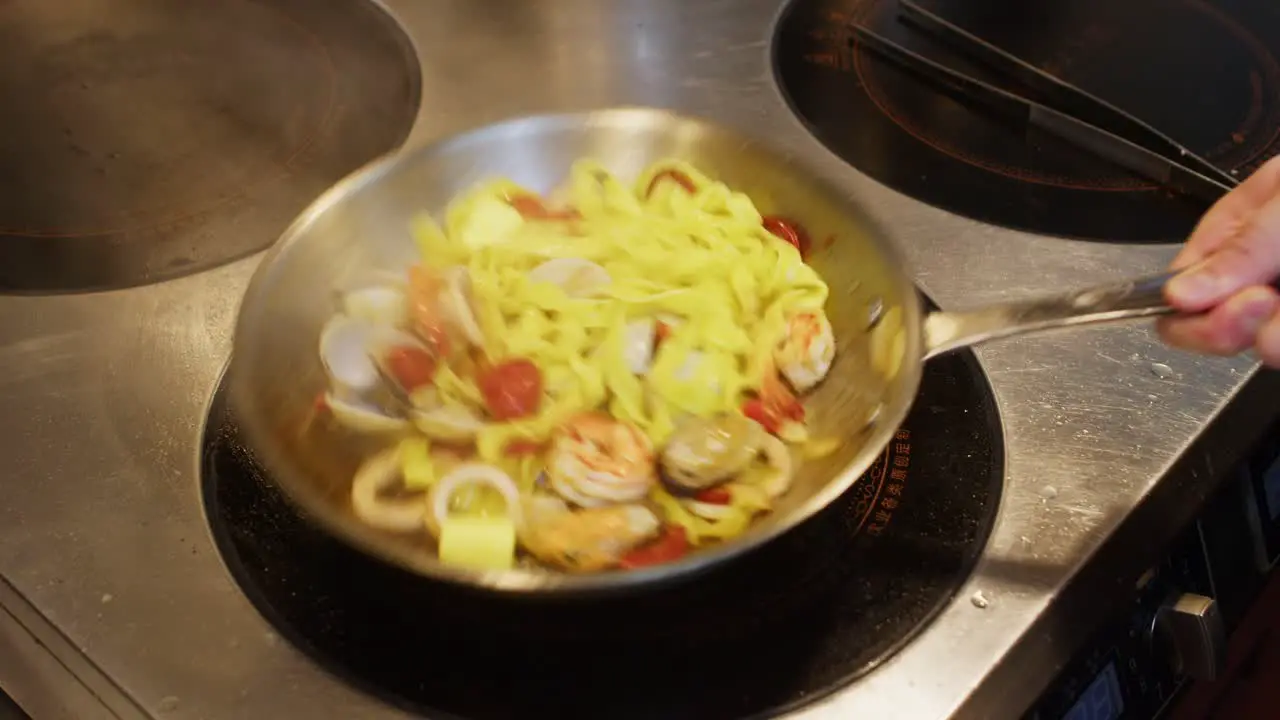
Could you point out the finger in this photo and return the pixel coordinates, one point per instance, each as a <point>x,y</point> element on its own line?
<point>1267,345</point>
<point>1229,216</point>
<point>1229,328</point>
<point>1251,257</point>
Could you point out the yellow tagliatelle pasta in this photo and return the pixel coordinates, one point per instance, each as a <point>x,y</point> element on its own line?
<point>699,262</point>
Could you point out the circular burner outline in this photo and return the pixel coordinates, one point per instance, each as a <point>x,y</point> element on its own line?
<point>242,191</point>
<point>167,243</point>
<point>1119,183</point>
<point>873,89</point>
<point>970,371</point>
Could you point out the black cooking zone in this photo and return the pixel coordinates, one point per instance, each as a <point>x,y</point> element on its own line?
<point>769,632</point>
<point>1202,73</point>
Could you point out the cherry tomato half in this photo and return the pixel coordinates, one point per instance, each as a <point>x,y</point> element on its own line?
<point>772,415</point>
<point>675,176</point>
<point>715,496</point>
<point>512,389</point>
<point>531,207</point>
<point>789,231</point>
<point>671,545</point>
<point>661,331</point>
<point>412,367</point>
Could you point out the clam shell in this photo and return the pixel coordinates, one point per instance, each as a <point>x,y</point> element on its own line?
<point>348,346</point>
<point>344,352</point>
<point>378,304</point>
<point>702,453</point>
<point>363,417</point>
<point>637,349</point>
<point>458,303</point>
<point>577,277</point>
<point>448,424</point>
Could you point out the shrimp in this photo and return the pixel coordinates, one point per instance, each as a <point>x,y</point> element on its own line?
<point>777,408</point>
<point>596,460</point>
<point>806,350</point>
<point>426,301</point>
<point>592,539</point>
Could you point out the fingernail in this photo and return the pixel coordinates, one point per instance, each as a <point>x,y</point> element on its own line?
<point>1194,286</point>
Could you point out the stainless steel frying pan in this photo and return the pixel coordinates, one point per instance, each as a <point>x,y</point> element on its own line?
<point>883,333</point>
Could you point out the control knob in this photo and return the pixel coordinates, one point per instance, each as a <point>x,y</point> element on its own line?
<point>1188,630</point>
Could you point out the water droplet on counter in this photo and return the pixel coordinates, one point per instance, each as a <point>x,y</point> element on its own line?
<point>1048,492</point>
<point>979,600</point>
<point>107,597</point>
<point>168,703</point>
<point>1162,371</point>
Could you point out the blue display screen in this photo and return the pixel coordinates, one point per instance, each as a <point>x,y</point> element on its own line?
<point>1102,700</point>
<point>1271,485</point>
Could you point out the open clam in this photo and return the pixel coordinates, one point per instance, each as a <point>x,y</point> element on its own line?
<point>447,423</point>
<point>457,304</point>
<point>576,276</point>
<point>363,395</point>
<point>383,303</point>
<point>703,453</point>
<point>638,343</point>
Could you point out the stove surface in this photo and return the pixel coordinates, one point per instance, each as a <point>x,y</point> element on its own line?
<point>116,601</point>
<point>773,631</point>
<point>179,136</point>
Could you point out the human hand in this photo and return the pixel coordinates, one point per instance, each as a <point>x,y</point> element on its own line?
<point>1228,265</point>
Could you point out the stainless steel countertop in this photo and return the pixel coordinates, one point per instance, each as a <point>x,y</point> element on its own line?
<point>115,602</point>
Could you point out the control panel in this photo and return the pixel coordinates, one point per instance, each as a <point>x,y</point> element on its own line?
<point>1173,630</point>
<point>1183,610</point>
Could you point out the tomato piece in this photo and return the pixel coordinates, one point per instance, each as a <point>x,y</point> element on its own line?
<point>756,410</point>
<point>321,403</point>
<point>790,232</point>
<point>412,367</point>
<point>675,176</point>
<point>520,448</point>
<point>531,207</point>
<point>661,331</point>
<point>715,496</point>
<point>774,413</point>
<point>512,389</point>
<point>671,545</point>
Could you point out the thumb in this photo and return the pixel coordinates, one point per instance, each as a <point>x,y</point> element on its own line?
<point>1250,257</point>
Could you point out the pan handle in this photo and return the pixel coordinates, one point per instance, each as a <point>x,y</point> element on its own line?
<point>1142,297</point>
